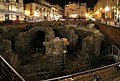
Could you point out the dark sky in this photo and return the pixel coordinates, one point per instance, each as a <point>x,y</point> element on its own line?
<point>90,3</point>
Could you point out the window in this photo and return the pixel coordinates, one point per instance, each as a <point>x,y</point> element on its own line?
<point>103,15</point>
<point>74,11</point>
<point>17,17</point>
<point>31,9</point>
<point>44,10</point>
<point>24,7</point>
<point>7,1</point>
<point>36,8</point>
<point>6,17</point>
<point>17,1</point>
<point>67,13</point>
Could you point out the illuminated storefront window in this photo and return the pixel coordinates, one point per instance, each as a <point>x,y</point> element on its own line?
<point>6,16</point>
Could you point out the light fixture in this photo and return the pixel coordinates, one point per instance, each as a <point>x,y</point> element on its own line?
<point>35,13</point>
<point>107,8</point>
<point>73,15</point>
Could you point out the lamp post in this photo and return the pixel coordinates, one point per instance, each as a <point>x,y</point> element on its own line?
<point>106,10</point>
<point>117,11</point>
<point>114,12</point>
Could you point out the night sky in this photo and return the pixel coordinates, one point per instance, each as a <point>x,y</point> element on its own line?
<point>90,3</point>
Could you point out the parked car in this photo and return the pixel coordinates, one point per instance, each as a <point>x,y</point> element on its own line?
<point>117,23</point>
<point>17,21</point>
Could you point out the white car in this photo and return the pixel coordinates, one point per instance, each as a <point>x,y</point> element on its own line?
<point>118,24</point>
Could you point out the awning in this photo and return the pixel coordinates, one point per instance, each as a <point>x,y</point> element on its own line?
<point>12,12</point>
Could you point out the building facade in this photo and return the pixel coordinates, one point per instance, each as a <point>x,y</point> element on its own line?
<point>11,9</point>
<point>56,12</point>
<point>107,9</point>
<point>89,13</point>
<point>42,10</point>
<point>75,10</point>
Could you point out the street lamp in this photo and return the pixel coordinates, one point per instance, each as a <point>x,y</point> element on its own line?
<point>87,16</point>
<point>117,10</point>
<point>114,11</point>
<point>106,10</point>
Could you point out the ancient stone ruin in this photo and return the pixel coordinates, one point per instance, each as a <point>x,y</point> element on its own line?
<point>43,52</point>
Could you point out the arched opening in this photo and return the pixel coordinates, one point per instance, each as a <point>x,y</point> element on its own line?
<point>56,33</point>
<point>13,43</point>
<point>106,52</point>
<point>104,47</point>
<point>37,40</point>
<point>79,45</point>
<point>1,30</point>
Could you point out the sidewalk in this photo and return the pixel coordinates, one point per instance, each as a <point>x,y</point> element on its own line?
<point>111,23</point>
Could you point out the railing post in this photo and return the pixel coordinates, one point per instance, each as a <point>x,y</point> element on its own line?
<point>118,55</point>
<point>89,76</point>
<point>112,48</point>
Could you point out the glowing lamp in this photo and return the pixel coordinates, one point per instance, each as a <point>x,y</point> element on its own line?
<point>107,8</point>
<point>27,12</point>
<point>73,15</point>
<point>35,13</point>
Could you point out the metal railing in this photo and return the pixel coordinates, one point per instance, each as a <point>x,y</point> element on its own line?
<point>116,53</point>
<point>106,73</point>
<point>109,23</point>
<point>7,72</point>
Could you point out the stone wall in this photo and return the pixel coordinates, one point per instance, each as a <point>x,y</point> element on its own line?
<point>55,48</point>
<point>91,44</point>
<point>7,53</point>
<point>68,31</point>
<point>23,40</point>
<point>55,58</point>
<point>55,55</point>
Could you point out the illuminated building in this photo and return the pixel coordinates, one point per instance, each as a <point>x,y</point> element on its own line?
<point>11,9</point>
<point>56,12</point>
<point>89,13</point>
<point>107,9</point>
<point>42,10</point>
<point>75,10</point>
<point>37,10</point>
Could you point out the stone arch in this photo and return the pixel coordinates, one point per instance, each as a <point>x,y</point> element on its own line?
<point>23,40</point>
<point>49,33</point>
<point>37,39</point>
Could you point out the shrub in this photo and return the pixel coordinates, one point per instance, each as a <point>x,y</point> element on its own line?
<point>8,21</point>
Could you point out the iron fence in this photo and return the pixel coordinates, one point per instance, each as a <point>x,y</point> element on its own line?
<point>7,72</point>
<point>105,73</point>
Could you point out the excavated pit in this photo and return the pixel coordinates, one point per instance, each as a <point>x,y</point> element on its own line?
<point>46,55</point>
